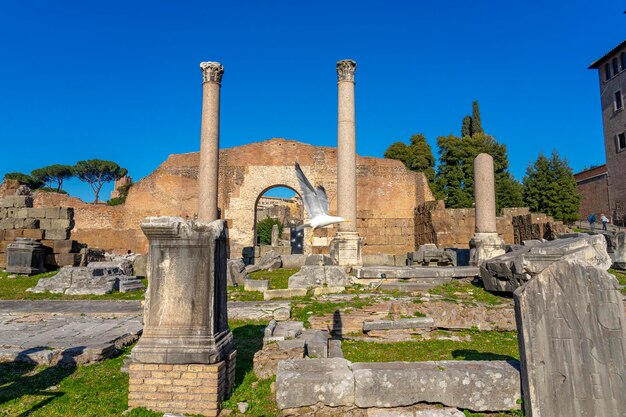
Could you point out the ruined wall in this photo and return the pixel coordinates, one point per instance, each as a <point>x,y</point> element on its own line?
<point>387,195</point>
<point>592,185</point>
<point>453,228</point>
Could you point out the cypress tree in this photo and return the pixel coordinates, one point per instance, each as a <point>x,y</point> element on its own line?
<point>477,125</point>
<point>466,129</point>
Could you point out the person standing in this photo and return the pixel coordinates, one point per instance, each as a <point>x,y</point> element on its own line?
<point>592,220</point>
<point>604,221</point>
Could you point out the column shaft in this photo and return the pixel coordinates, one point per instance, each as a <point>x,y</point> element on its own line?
<point>209,142</point>
<point>346,147</point>
<point>484,194</point>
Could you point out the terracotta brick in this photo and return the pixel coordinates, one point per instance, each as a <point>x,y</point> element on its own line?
<point>155,381</point>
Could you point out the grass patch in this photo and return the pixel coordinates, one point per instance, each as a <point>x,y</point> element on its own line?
<point>307,307</point>
<point>459,291</point>
<point>15,289</point>
<point>278,278</point>
<point>101,390</point>
<point>483,346</point>
<point>238,294</point>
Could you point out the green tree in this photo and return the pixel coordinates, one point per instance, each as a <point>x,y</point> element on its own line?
<point>477,125</point>
<point>550,188</point>
<point>264,230</point>
<point>466,128</point>
<point>123,193</point>
<point>97,172</point>
<point>417,156</point>
<point>25,179</point>
<point>53,175</point>
<point>455,172</point>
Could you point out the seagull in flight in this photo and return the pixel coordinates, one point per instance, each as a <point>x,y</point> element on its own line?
<point>315,203</point>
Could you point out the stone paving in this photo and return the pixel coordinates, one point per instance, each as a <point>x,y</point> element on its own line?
<point>48,332</point>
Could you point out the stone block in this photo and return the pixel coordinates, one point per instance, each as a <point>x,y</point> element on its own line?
<point>572,338</point>
<point>474,385</point>
<point>66,213</point>
<point>407,323</point>
<point>52,212</point>
<point>256,284</point>
<point>17,201</point>
<point>308,277</point>
<point>140,265</point>
<point>27,223</point>
<point>316,343</point>
<point>37,213</point>
<point>268,261</point>
<point>619,251</point>
<point>67,259</point>
<point>57,234</point>
<point>64,246</point>
<point>334,349</point>
<point>12,234</point>
<point>237,273</point>
<point>509,271</point>
<point>336,276</point>
<point>293,261</point>
<point>26,256</point>
<point>328,290</point>
<point>306,382</point>
<point>7,223</point>
<point>284,293</point>
<point>90,255</point>
<point>318,260</point>
<point>284,330</point>
<point>22,213</point>
<point>33,233</point>
<point>259,310</point>
<point>59,224</point>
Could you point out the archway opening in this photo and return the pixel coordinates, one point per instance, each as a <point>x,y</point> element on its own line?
<point>278,212</point>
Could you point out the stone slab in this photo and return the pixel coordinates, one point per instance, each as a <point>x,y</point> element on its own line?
<point>403,412</point>
<point>474,385</point>
<point>256,285</point>
<point>403,272</point>
<point>284,293</point>
<point>306,382</point>
<point>407,323</point>
<point>416,284</point>
<point>293,261</point>
<point>259,310</point>
<point>572,337</point>
<point>328,290</point>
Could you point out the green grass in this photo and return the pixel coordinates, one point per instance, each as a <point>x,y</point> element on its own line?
<point>305,307</point>
<point>15,289</point>
<point>278,278</point>
<point>238,294</point>
<point>459,291</point>
<point>483,346</point>
<point>101,390</point>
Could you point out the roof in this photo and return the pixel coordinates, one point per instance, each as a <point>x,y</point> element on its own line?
<point>596,64</point>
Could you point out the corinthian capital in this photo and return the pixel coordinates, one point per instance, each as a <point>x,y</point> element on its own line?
<point>346,69</point>
<point>212,72</point>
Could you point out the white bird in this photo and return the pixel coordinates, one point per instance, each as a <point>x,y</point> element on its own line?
<point>316,204</point>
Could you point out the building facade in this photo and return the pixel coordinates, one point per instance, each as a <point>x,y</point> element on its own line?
<point>592,185</point>
<point>612,76</point>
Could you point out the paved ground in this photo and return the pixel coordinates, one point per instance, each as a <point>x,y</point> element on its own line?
<point>47,331</point>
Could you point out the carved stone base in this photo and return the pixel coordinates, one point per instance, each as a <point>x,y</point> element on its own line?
<point>484,246</point>
<point>185,319</point>
<point>345,249</point>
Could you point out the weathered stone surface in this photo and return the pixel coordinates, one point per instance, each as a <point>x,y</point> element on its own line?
<point>266,360</point>
<point>259,310</point>
<point>408,323</point>
<point>88,255</point>
<point>403,412</point>
<point>122,264</point>
<point>26,256</point>
<point>284,293</point>
<point>57,234</point>
<point>185,314</point>
<point>237,273</point>
<point>403,272</point>
<point>572,332</point>
<point>318,260</point>
<point>328,290</point>
<point>430,254</point>
<point>619,251</point>
<point>283,330</point>
<point>316,343</point>
<point>140,265</point>
<point>293,261</point>
<point>334,349</point>
<point>274,241</point>
<point>268,262</point>
<point>308,277</point>
<point>309,381</point>
<point>511,270</point>
<point>485,246</point>
<point>70,280</point>
<point>475,385</point>
<point>130,284</point>
<point>256,284</point>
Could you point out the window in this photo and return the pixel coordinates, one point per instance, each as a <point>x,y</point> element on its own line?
<point>621,141</point>
<point>623,59</point>
<point>615,67</point>
<point>607,72</point>
<point>617,104</point>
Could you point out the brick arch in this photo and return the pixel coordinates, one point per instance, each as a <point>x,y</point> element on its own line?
<point>241,209</point>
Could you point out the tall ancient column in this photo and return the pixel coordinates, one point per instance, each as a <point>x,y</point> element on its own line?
<point>346,246</point>
<point>209,141</point>
<point>486,243</point>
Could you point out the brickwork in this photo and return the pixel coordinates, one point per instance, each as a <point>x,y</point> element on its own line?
<point>185,389</point>
<point>592,185</point>
<point>51,225</point>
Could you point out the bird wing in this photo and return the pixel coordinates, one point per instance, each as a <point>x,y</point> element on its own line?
<point>311,200</point>
<point>321,193</point>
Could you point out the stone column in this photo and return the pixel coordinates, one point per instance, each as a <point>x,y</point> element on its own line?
<point>346,246</point>
<point>209,141</point>
<point>486,243</point>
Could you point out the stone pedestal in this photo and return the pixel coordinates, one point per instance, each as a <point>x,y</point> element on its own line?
<point>26,256</point>
<point>484,246</point>
<point>186,352</point>
<point>345,249</point>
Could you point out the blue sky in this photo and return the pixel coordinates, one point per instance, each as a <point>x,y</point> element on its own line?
<point>120,80</point>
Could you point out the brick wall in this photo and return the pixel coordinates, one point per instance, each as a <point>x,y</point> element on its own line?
<point>186,388</point>
<point>592,185</point>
